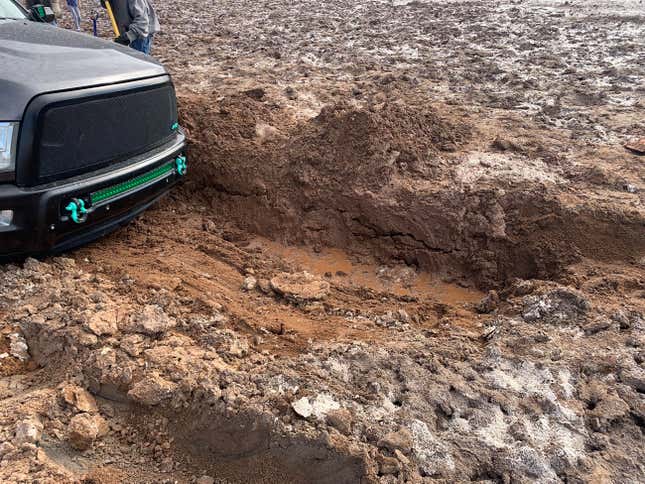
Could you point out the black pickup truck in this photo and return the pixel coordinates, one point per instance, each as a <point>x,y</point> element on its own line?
<point>89,136</point>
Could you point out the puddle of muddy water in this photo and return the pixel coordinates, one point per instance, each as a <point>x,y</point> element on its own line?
<point>337,266</point>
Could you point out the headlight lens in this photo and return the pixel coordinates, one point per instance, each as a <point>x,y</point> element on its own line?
<point>8,138</point>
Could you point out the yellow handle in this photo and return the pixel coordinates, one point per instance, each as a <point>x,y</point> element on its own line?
<point>115,27</point>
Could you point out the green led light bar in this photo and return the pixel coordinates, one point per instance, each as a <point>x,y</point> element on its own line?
<point>126,186</point>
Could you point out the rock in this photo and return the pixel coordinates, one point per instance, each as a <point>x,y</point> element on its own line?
<point>636,146</point>
<point>205,480</point>
<point>300,287</point>
<point>488,304</point>
<point>265,286</point>
<point>84,429</point>
<point>18,346</point>
<point>109,373</point>
<point>634,377</point>
<point>256,93</point>
<point>341,419</point>
<point>319,407</point>
<point>28,431</point>
<point>151,390</point>
<point>606,411</point>
<point>597,326</point>
<point>527,460</point>
<point>403,316</point>
<point>152,321</point>
<point>249,283</point>
<point>239,347</point>
<point>388,465</point>
<point>302,407</point>
<point>490,332</point>
<point>399,440</point>
<point>622,319</point>
<point>557,306</point>
<point>79,398</point>
<point>103,323</point>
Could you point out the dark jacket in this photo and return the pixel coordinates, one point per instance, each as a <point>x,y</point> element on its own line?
<point>136,18</point>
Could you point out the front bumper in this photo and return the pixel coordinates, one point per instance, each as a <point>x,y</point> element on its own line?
<point>41,223</point>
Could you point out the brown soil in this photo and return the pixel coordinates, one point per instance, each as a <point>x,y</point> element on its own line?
<point>410,248</point>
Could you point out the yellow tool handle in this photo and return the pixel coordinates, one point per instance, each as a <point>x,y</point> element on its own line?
<point>115,27</point>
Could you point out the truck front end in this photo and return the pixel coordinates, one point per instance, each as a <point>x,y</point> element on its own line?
<point>86,143</point>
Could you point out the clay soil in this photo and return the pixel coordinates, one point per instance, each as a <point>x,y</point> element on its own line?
<point>410,248</point>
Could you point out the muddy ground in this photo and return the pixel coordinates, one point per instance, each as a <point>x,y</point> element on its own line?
<point>411,248</point>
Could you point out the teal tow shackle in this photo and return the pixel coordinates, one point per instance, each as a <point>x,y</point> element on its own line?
<point>77,210</point>
<point>180,163</point>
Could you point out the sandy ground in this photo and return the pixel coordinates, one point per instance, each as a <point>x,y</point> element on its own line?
<point>411,248</point>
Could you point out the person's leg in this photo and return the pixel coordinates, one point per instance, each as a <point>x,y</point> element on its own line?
<point>77,17</point>
<point>138,44</point>
<point>142,44</point>
<point>77,21</point>
<point>149,40</point>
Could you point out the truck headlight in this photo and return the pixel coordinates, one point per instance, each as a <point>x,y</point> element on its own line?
<point>8,140</point>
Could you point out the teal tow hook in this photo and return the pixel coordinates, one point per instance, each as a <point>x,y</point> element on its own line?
<point>180,163</point>
<point>77,210</point>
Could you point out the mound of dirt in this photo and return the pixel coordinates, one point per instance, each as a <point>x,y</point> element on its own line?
<point>398,181</point>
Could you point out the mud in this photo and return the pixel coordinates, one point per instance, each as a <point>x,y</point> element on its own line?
<point>410,248</point>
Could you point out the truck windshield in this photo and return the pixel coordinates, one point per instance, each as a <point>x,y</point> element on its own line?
<point>9,10</point>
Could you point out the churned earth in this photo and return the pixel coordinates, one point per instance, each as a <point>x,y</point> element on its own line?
<point>411,248</point>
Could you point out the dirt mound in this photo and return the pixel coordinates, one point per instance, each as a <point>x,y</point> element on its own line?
<point>368,147</point>
<point>398,181</point>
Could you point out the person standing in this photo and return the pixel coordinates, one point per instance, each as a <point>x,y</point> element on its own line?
<point>72,6</point>
<point>137,21</point>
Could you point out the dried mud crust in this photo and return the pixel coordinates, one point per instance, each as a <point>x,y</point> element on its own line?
<point>545,387</point>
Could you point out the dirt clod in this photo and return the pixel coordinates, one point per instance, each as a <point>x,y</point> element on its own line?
<point>84,429</point>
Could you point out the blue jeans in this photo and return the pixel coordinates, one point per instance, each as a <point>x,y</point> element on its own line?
<point>143,44</point>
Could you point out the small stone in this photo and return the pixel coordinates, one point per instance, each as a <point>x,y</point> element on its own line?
<point>488,304</point>
<point>103,323</point>
<point>28,431</point>
<point>151,390</point>
<point>265,286</point>
<point>401,440</point>
<point>239,347</point>
<point>79,398</point>
<point>302,407</point>
<point>622,319</point>
<point>18,346</point>
<point>388,465</point>
<point>249,283</point>
<point>597,326</point>
<point>300,287</point>
<point>341,419</point>
<point>634,377</point>
<point>403,316</point>
<point>152,320</point>
<point>84,429</point>
<point>205,480</point>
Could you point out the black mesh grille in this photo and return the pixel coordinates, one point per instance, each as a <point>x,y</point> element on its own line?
<point>92,133</point>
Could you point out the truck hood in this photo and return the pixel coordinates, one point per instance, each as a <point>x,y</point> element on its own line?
<point>37,58</point>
